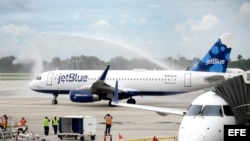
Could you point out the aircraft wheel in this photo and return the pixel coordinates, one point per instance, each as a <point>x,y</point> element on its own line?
<point>81,138</point>
<point>131,101</point>
<point>54,102</point>
<point>92,137</point>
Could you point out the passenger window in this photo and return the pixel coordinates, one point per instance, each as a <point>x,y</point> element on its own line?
<point>38,78</point>
<point>212,110</point>
<point>194,110</point>
<point>227,110</point>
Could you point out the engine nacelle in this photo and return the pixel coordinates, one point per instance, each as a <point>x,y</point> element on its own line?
<point>83,96</point>
<point>162,114</point>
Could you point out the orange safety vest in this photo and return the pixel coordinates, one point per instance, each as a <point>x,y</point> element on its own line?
<point>4,122</point>
<point>22,122</point>
<point>108,120</point>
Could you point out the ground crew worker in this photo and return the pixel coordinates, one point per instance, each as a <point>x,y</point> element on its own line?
<point>108,119</point>
<point>23,121</point>
<point>55,124</point>
<point>4,119</point>
<point>46,121</point>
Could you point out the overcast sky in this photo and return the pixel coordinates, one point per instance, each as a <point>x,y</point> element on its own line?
<point>128,28</point>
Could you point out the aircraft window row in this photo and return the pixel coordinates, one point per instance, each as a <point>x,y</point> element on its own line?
<point>139,79</point>
<point>209,110</point>
<point>38,78</point>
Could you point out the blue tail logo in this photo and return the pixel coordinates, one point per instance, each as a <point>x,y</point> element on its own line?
<point>216,60</point>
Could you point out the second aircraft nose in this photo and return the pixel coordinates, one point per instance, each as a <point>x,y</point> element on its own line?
<point>192,137</point>
<point>31,85</point>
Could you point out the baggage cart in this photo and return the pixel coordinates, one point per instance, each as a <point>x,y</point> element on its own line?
<point>77,127</point>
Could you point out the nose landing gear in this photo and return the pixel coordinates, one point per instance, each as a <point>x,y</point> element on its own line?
<point>54,101</point>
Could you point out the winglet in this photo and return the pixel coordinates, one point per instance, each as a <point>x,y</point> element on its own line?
<point>217,58</point>
<point>104,74</point>
<point>115,99</point>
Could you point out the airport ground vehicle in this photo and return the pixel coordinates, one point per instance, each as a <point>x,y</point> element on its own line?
<point>77,126</point>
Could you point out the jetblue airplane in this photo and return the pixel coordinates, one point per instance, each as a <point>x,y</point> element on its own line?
<point>95,85</point>
<point>203,120</point>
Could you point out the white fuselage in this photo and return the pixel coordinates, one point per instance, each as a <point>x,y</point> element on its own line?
<point>134,82</point>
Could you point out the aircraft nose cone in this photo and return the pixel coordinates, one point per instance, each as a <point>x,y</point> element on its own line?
<point>31,85</point>
<point>191,137</point>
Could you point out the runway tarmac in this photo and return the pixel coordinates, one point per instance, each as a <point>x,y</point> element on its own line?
<point>17,101</point>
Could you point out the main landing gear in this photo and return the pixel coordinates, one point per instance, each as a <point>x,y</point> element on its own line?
<point>54,101</point>
<point>110,104</point>
<point>131,101</point>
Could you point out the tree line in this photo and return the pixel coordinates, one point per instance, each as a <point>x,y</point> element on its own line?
<point>90,62</point>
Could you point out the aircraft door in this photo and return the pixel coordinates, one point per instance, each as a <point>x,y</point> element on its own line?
<point>187,80</point>
<point>49,78</point>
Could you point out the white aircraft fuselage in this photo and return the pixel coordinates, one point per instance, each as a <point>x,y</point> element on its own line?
<point>132,82</point>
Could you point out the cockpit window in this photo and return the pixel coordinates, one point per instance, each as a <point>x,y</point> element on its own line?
<point>211,110</point>
<point>227,110</point>
<point>38,78</point>
<point>194,110</point>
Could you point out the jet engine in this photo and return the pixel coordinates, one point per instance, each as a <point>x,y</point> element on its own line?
<point>83,96</point>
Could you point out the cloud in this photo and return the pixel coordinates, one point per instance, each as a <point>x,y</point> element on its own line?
<point>208,22</point>
<point>13,38</point>
<point>11,30</point>
<point>245,11</point>
<point>180,27</point>
<point>141,21</point>
<point>101,24</point>
<point>154,6</point>
<point>76,17</point>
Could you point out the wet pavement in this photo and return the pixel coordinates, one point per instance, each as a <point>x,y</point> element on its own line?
<point>17,101</point>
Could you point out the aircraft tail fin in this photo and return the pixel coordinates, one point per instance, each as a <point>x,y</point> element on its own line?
<point>217,58</point>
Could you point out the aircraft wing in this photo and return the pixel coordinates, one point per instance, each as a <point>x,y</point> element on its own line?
<point>101,87</point>
<point>160,110</point>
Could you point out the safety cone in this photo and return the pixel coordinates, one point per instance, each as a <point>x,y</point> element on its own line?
<point>120,137</point>
<point>104,138</point>
<point>155,139</point>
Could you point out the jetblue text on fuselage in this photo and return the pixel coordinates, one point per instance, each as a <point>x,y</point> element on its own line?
<point>215,61</point>
<point>72,77</point>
